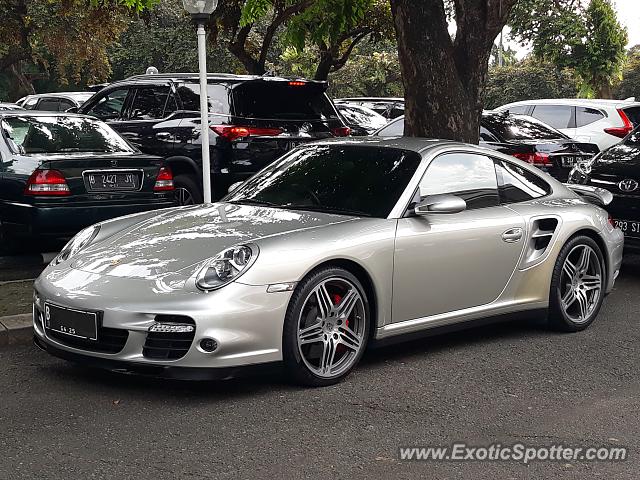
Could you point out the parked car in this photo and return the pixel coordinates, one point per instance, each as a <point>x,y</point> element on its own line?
<point>9,106</point>
<point>603,122</point>
<point>617,169</point>
<point>54,102</point>
<point>253,120</point>
<point>388,107</point>
<point>361,120</point>
<point>62,172</point>
<point>525,138</point>
<point>337,245</point>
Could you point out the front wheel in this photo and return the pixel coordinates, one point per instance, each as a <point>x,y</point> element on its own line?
<point>577,285</point>
<point>326,327</point>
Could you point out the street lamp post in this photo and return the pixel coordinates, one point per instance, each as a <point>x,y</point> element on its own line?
<point>200,11</point>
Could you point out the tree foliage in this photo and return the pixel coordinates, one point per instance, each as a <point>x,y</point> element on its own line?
<point>570,33</point>
<point>630,84</point>
<point>69,36</point>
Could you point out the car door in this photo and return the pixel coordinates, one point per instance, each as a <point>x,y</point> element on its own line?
<point>560,117</point>
<point>450,262</point>
<point>149,122</point>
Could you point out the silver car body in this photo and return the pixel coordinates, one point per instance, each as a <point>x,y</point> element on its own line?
<point>424,272</point>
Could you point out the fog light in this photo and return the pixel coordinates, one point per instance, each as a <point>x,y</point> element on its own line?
<point>208,344</point>
<point>171,328</point>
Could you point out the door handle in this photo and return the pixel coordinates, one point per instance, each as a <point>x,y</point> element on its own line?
<point>512,235</point>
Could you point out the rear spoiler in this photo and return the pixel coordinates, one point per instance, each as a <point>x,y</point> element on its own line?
<point>596,195</point>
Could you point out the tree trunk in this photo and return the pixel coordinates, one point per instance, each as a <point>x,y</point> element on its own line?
<point>444,78</point>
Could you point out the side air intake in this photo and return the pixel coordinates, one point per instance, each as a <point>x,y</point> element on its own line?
<point>542,233</point>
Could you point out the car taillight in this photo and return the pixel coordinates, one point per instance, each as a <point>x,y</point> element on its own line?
<point>47,182</point>
<point>341,131</point>
<point>233,132</point>
<point>164,180</point>
<point>612,222</point>
<point>621,132</point>
<point>297,83</point>
<point>534,158</point>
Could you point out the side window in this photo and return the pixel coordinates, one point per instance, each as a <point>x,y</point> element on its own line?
<point>110,106</point>
<point>487,136</point>
<point>518,109</point>
<point>30,103</point>
<point>49,105</point>
<point>393,129</point>
<point>586,116</point>
<point>469,176</point>
<point>558,116</point>
<point>149,103</point>
<point>516,184</point>
<point>65,105</point>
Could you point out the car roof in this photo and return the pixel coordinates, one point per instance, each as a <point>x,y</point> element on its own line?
<point>224,77</point>
<point>575,101</point>
<point>61,95</point>
<point>42,113</point>
<point>370,99</point>
<point>415,144</point>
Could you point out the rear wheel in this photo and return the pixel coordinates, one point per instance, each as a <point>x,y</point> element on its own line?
<point>326,327</point>
<point>187,191</point>
<point>577,285</point>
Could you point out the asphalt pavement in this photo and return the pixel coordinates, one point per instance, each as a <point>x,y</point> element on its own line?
<point>505,384</point>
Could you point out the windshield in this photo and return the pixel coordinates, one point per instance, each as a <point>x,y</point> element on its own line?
<point>345,179</point>
<point>517,127</point>
<point>61,134</point>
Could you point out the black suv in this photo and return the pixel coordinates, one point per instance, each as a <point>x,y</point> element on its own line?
<point>253,120</point>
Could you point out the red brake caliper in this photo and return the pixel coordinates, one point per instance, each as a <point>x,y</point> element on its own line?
<point>336,301</point>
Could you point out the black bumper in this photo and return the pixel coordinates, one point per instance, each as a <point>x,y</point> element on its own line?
<point>62,221</point>
<point>158,371</point>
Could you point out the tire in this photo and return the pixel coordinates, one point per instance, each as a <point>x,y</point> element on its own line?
<point>187,187</point>
<point>322,349</point>
<point>577,287</point>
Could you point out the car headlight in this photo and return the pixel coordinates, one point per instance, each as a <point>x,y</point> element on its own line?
<point>77,243</point>
<point>225,267</point>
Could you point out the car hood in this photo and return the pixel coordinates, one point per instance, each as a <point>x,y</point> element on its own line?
<point>620,160</point>
<point>179,240</point>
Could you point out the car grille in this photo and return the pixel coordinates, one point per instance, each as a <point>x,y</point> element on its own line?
<point>169,345</point>
<point>110,340</point>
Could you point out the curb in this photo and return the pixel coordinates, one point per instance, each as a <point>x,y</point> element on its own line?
<point>16,329</point>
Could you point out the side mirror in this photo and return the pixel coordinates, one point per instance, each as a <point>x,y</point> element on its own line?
<point>443,203</point>
<point>233,186</point>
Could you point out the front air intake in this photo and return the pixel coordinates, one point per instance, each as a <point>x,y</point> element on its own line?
<point>169,338</point>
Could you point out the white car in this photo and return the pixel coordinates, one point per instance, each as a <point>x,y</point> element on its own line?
<point>604,122</point>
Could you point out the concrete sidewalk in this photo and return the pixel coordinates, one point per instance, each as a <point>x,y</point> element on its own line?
<point>16,329</point>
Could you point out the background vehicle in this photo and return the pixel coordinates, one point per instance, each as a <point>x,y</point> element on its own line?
<point>617,169</point>
<point>388,107</point>
<point>9,106</point>
<point>361,120</point>
<point>524,138</point>
<point>54,102</point>
<point>62,172</point>
<point>253,121</point>
<point>334,245</point>
<point>603,122</point>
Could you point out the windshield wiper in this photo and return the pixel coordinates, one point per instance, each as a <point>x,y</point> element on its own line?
<point>251,201</point>
<point>324,209</point>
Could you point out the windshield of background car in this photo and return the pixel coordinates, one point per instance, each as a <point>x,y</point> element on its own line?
<point>59,134</point>
<point>349,179</point>
<point>360,116</point>
<point>514,127</point>
<point>282,101</point>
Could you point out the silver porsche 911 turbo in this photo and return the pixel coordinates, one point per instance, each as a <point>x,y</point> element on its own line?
<point>336,246</point>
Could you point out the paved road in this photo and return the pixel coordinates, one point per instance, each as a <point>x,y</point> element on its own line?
<point>505,383</point>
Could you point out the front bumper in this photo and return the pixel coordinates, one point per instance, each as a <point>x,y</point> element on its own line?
<point>245,321</point>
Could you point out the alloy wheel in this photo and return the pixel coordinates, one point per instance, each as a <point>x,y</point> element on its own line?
<point>580,283</point>
<point>331,327</point>
<point>183,196</point>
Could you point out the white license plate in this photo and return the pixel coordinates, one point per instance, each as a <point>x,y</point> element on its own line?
<point>628,227</point>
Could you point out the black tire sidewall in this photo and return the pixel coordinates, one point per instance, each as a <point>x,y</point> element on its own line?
<point>291,355</point>
<point>557,317</point>
<point>189,183</point>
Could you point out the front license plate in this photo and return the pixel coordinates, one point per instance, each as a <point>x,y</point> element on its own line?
<point>107,181</point>
<point>71,322</point>
<point>628,227</point>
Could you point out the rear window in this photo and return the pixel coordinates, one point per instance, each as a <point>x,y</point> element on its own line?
<point>558,116</point>
<point>633,114</point>
<point>586,116</point>
<point>55,134</point>
<point>218,95</point>
<point>511,127</point>
<point>281,101</point>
